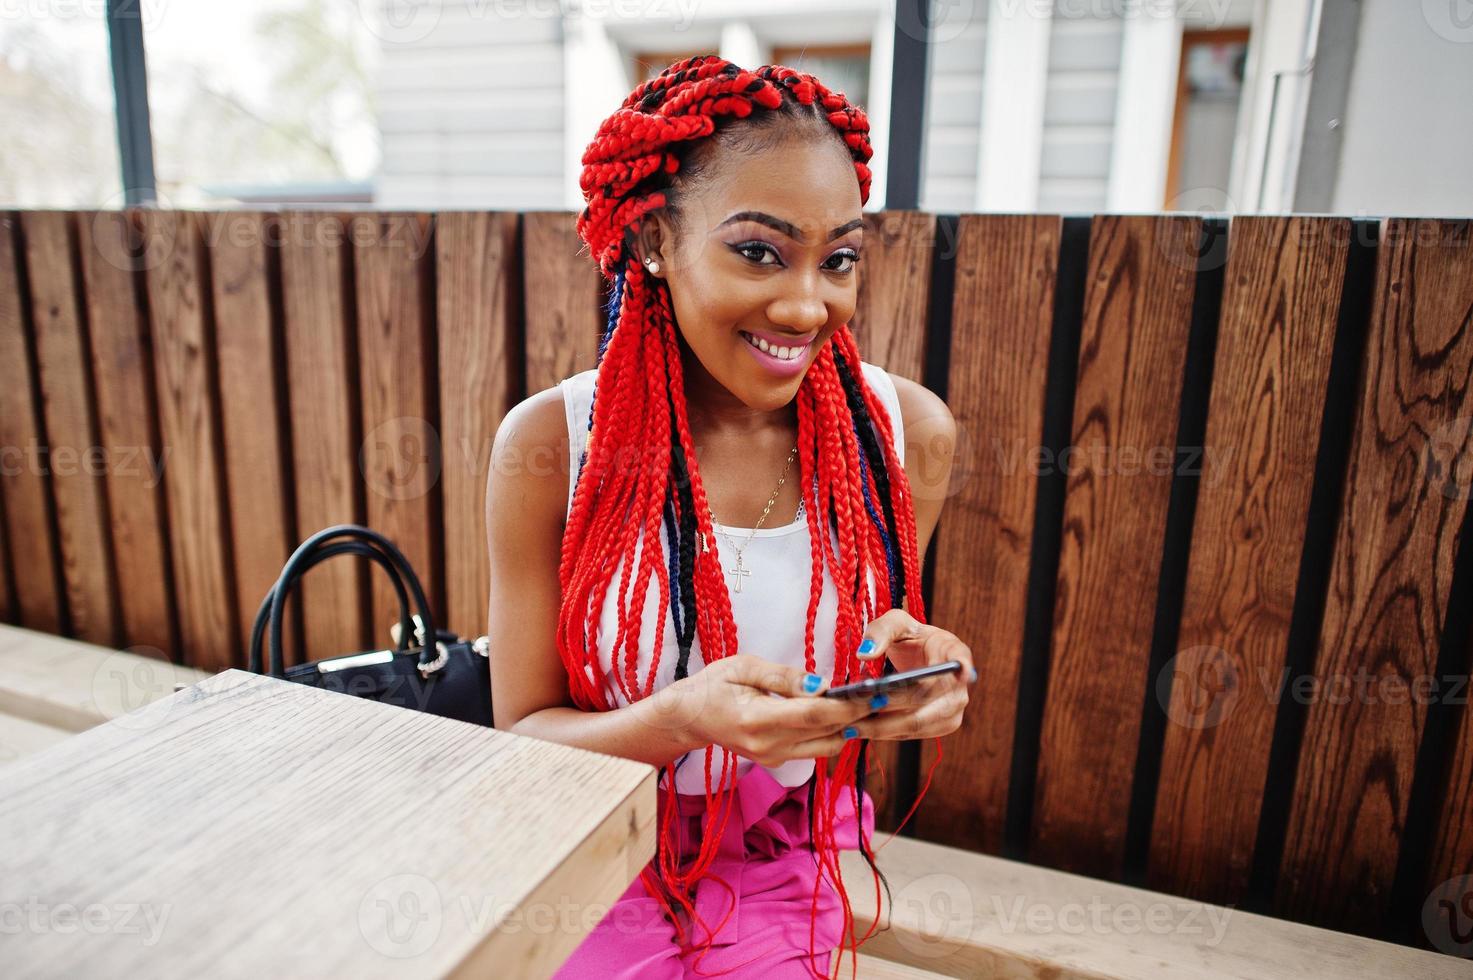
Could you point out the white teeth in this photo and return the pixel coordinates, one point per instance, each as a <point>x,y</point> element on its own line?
<point>781,353</point>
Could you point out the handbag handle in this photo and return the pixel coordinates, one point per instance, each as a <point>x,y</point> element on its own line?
<point>433,654</point>
<point>401,635</point>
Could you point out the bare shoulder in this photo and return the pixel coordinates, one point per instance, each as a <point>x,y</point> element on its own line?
<point>530,452</point>
<point>919,404</point>
<point>930,451</point>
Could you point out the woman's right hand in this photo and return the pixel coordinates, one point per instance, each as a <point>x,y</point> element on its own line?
<point>730,704</point>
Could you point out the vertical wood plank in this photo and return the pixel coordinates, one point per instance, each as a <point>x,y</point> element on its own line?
<point>8,611</point>
<point>478,312</point>
<point>889,325</point>
<point>1389,580</point>
<point>39,594</point>
<point>189,417</point>
<point>1280,306</point>
<point>889,322</point>
<point>75,459</point>
<point>400,456</point>
<point>122,369</point>
<point>322,372</point>
<point>1003,305</point>
<point>563,292</point>
<point>252,409</point>
<point>1133,342</point>
<point>1449,876</point>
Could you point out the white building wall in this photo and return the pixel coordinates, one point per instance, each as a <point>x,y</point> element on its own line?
<point>470,109</point>
<point>482,109</point>
<point>1079,113</point>
<point>954,115</point>
<point>1408,135</point>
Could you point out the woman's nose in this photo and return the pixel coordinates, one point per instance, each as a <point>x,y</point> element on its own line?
<point>800,308</point>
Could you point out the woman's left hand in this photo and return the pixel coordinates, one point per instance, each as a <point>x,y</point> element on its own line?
<point>934,706</point>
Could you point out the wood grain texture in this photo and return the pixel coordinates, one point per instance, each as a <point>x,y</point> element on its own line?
<point>253,409</point>
<point>336,837</point>
<point>74,686</point>
<point>172,327</point>
<point>400,459</point>
<point>74,458</point>
<point>326,425</point>
<point>974,915</point>
<point>1002,325</point>
<point>889,326</point>
<point>478,301</point>
<point>1279,309</point>
<point>20,737</point>
<point>8,612</point>
<point>563,292</point>
<point>1450,857</point>
<point>39,595</point>
<point>113,258</point>
<point>1391,568</point>
<point>189,419</point>
<point>1137,315</point>
<point>889,323</point>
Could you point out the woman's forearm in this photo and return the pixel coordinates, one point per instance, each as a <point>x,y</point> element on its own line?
<point>638,731</point>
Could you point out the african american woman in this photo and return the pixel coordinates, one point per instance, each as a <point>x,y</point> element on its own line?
<point>729,415</point>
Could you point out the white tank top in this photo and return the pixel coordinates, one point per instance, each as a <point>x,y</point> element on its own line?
<point>770,609</point>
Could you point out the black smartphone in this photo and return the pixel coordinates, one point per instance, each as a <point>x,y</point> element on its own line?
<point>871,686</point>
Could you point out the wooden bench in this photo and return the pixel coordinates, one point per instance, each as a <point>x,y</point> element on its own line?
<point>52,687</point>
<point>957,913</point>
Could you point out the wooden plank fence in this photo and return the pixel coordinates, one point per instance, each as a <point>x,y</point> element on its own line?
<point>1208,532</point>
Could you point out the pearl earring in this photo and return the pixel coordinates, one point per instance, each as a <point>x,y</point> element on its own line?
<point>654,266</point>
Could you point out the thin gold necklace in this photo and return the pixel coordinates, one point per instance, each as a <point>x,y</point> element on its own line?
<point>740,571</point>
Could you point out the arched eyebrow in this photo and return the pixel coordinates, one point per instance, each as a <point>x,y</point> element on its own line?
<point>778,224</point>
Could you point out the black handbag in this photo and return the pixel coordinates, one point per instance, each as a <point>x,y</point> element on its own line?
<point>450,677</point>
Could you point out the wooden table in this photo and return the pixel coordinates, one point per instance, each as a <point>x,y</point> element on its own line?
<point>248,826</point>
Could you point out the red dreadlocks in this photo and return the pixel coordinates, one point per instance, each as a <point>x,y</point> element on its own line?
<point>639,467</point>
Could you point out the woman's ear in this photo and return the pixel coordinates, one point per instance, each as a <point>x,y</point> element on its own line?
<point>649,246</point>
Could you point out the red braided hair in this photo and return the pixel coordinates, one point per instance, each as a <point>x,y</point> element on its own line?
<point>639,467</point>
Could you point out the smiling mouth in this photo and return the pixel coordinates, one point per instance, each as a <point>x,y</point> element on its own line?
<point>790,352</point>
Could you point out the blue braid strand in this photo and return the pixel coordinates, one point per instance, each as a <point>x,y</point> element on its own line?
<point>673,535</point>
<point>878,521</point>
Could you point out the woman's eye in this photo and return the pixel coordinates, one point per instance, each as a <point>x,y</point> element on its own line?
<point>760,248</point>
<point>754,252</point>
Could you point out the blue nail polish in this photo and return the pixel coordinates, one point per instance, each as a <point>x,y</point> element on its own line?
<point>850,732</point>
<point>879,701</point>
<point>973,675</point>
<point>867,646</point>
<point>811,682</point>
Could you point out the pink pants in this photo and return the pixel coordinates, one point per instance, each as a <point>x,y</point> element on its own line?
<point>768,860</point>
